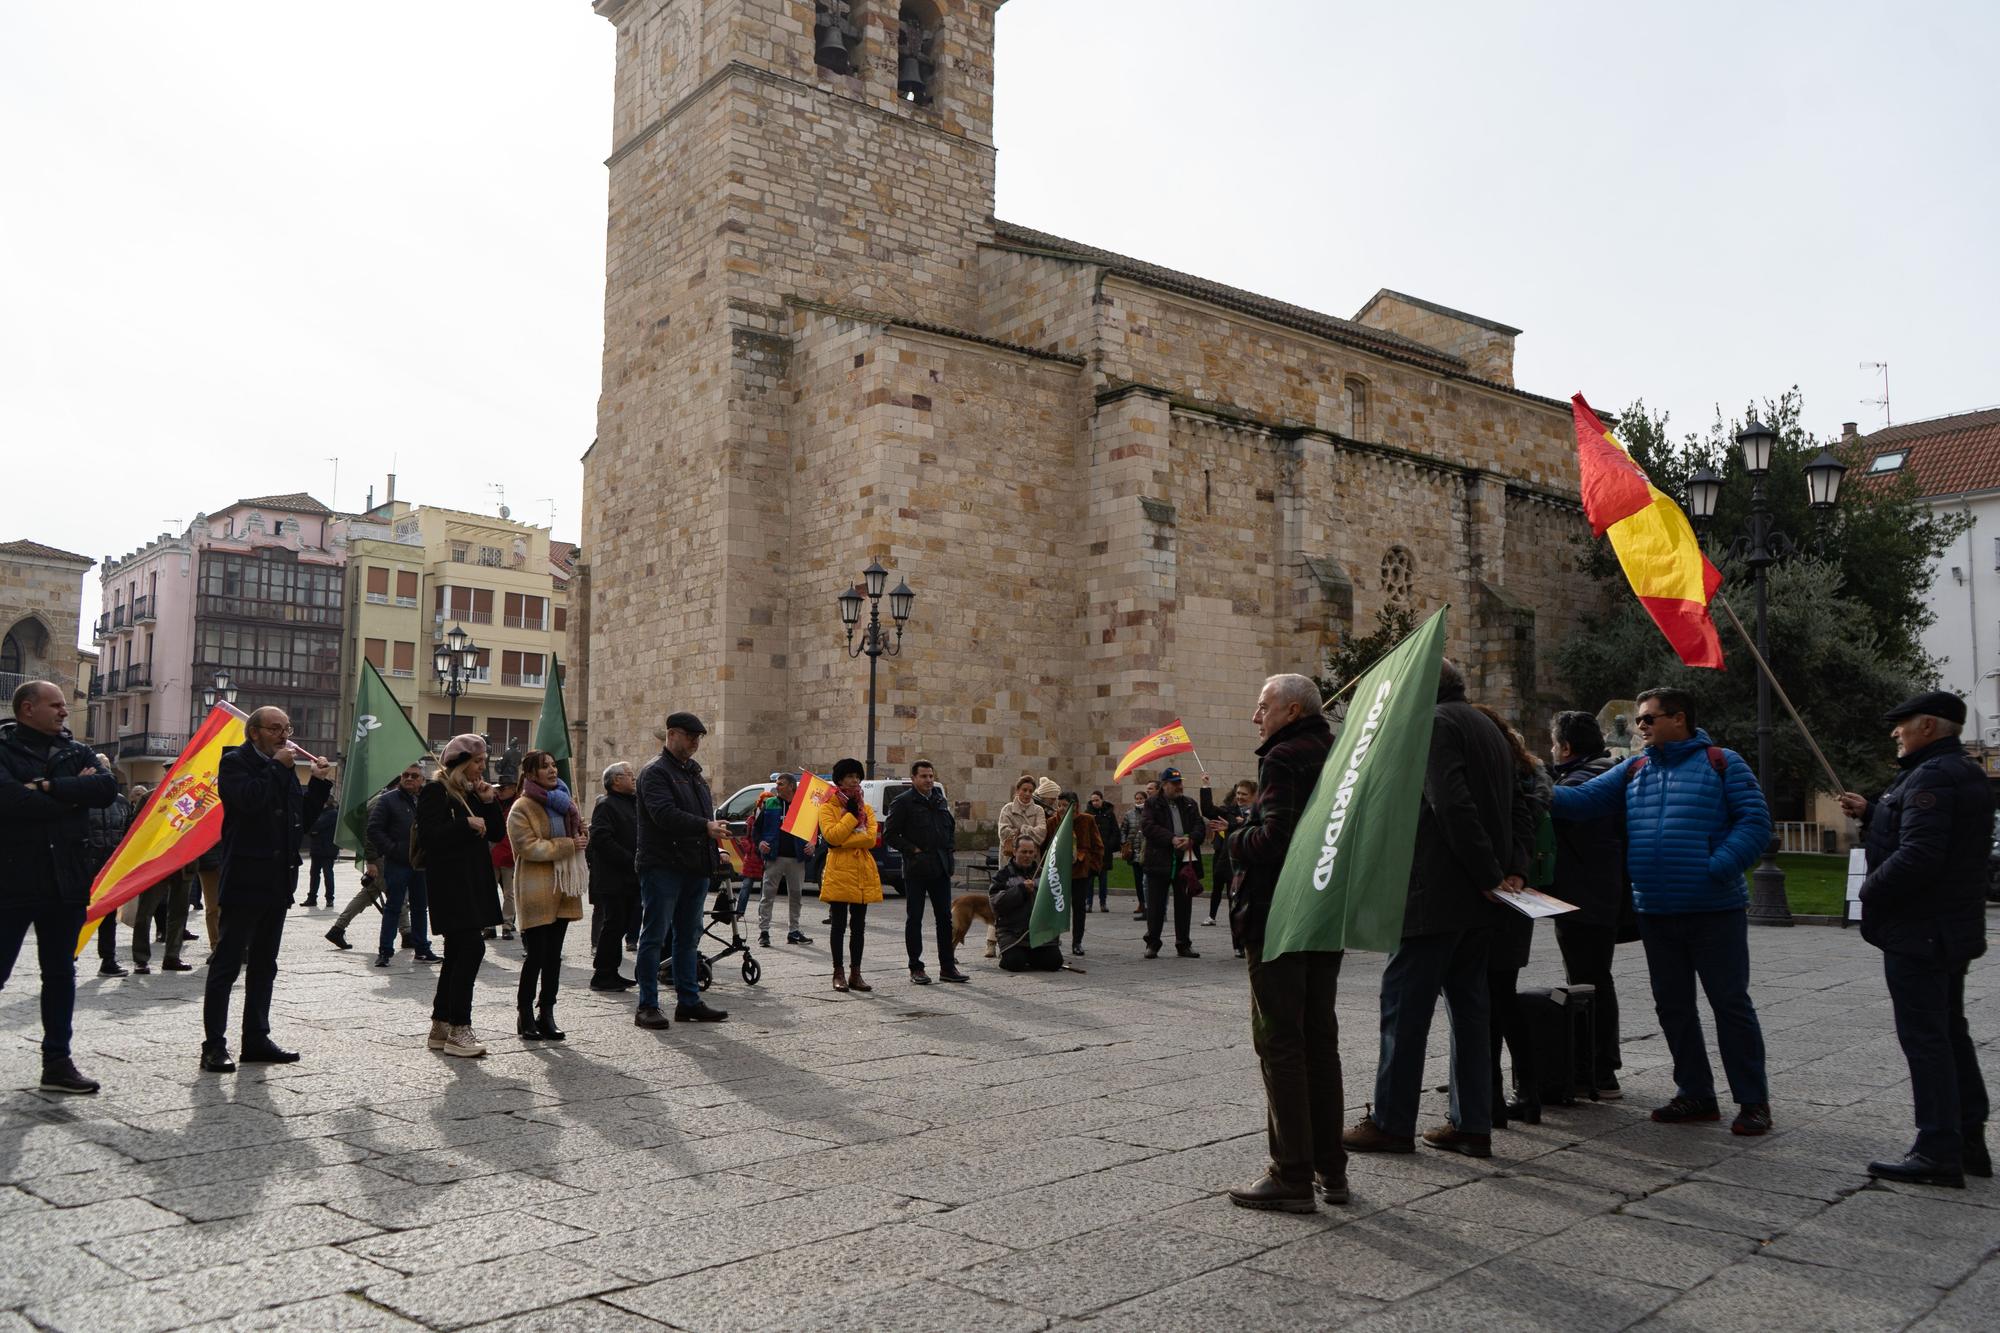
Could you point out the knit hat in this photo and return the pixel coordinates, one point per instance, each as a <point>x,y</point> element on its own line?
<point>1048,789</point>
<point>461,748</point>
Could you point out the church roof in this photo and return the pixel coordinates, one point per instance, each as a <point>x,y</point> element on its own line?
<point>1950,455</point>
<point>44,551</point>
<point>298,502</point>
<point>1233,298</point>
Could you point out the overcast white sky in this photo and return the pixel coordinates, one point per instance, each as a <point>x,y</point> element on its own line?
<point>241,242</point>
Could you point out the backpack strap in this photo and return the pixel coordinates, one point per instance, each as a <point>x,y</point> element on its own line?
<point>1717,760</point>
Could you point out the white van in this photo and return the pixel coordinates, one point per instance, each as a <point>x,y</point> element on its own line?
<point>880,793</point>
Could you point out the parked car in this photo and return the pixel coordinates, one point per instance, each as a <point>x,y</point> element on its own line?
<point>880,793</point>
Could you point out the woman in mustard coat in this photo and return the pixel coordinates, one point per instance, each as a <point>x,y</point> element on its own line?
<point>849,881</point>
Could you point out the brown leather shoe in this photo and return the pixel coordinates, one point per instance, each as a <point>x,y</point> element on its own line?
<point>1332,1189</point>
<point>839,979</point>
<point>1270,1194</point>
<point>1367,1136</point>
<point>1450,1139</point>
<point>854,981</point>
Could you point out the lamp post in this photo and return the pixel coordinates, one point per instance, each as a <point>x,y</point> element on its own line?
<point>1760,548</point>
<point>454,664</point>
<point>900,601</point>
<point>218,690</point>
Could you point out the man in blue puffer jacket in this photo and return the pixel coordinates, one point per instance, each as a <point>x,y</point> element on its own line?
<point>1695,821</point>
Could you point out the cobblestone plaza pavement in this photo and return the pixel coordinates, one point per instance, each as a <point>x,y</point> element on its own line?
<point>1025,1152</point>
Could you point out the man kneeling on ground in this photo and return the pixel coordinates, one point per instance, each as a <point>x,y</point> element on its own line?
<point>1013,895</point>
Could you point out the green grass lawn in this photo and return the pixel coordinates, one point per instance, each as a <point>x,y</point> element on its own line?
<point>1815,885</point>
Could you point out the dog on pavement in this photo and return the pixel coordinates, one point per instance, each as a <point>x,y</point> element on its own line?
<point>967,908</point>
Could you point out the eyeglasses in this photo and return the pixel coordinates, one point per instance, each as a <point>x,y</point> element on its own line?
<point>1648,719</point>
<point>284,729</point>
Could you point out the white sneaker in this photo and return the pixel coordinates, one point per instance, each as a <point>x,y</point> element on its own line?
<point>463,1042</point>
<point>1209,922</point>
<point>440,1034</point>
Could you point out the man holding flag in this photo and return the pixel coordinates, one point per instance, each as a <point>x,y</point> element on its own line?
<point>47,783</point>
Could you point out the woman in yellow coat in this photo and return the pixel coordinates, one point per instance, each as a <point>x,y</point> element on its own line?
<point>849,881</point>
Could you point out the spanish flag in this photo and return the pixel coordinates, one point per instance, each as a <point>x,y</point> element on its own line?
<point>802,818</point>
<point>1168,740</point>
<point>180,821</point>
<point>1651,537</point>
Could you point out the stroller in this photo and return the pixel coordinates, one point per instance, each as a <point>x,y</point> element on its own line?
<point>721,913</point>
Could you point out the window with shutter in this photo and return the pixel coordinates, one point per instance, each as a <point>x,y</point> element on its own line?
<point>562,620</point>
<point>406,587</point>
<point>482,606</point>
<point>378,584</point>
<point>376,651</point>
<point>404,662</point>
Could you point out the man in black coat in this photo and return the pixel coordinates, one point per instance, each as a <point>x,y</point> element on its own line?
<point>323,852</point>
<point>1173,830</point>
<point>1590,872</point>
<point>1292,1018</point>
<point>614,878</point>
<point>1923,905</point>
<point>107,830</point>
<point>48,783</point>
<point>264,818</point>
<point>1474,832</point>
<point>921,827</point>
<point>676,859</point>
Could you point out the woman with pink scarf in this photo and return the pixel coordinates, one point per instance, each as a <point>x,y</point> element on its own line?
<point>547,834</point>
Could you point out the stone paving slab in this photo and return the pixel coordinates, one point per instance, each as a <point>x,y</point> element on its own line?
<point>1023,1153</point>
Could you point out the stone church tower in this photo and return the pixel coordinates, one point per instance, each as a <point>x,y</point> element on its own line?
<point>1122,494</point>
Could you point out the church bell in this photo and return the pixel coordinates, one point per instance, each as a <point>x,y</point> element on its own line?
<point>910,83</point>
<point>832,52</point>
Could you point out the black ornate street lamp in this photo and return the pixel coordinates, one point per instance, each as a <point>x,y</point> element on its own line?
<point>1760,548</point>
<point>454,664</point>
<point>900,601</point>
<point>218,690</point>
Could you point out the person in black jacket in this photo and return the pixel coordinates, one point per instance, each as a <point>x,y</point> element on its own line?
<point>1107,828</point>
<point>48,784</point>
<point>614,878</point>
<point>1173,831</point>
<point>457,823</point>
<point>1590,873</point>
<point>107,830</point>
<point>264,819</point>
<point>1293,1023</point>
<point>678,835</point>
<point>321,853</point>
<point>920,826</point>
<point>1473,833</point>
<point>406,903</point>
<point>1224,820</point>
<point>1013,896</point>
<point>1923,905</point>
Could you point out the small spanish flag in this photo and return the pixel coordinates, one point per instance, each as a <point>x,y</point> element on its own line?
<point>1168,740</point>
<point>802,818</point>
<point>1654,543</point>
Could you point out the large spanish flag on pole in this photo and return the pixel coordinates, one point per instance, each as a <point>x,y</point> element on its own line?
<point>180,821</point>
<point>802,818</point>
<point>1652,539</point>
<point>1168,740</point>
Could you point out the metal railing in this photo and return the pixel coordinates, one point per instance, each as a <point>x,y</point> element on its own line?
<point>100,630</point>
<point>142,610</point>
<point>1799,836</point>
<point>118,620</point>
<point>151,745</point>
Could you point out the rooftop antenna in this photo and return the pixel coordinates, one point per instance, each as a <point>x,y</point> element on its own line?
<point>545,500</point>
<point>500,494</point>
<point>1883,401</point>
<point>333,499</point>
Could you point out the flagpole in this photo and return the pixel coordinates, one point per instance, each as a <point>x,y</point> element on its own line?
<point>1783,698</point>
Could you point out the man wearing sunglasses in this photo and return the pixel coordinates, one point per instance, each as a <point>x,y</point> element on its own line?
<point>1695,822</point>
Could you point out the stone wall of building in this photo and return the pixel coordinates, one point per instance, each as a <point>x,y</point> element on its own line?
<point>41,606</point>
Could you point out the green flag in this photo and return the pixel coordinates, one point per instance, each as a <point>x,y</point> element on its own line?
<point>552,727</point>
<point>1050,917</point>
<point>1347,872</point>
<point>383,745</point>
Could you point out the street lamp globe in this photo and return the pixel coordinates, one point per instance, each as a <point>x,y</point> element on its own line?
<point>1756,440</point>
<point>1704,493</point>
<point>850,608</point>
<point>876,576</point>
<point>1823,476</point>
<point>900,600</point>
<point>441,662</point>
<point>456,639</point>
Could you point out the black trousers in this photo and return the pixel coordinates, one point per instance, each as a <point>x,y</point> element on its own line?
<point>168,899</point>
<point>1587,951</point>
<point>1159,888</point>
<point>543,964</point>
<point>1946,1085</point>
<point>607,932</point>
<point>1020,958</point>
<point>252,931</point>
<point>462,951</point>
<point>1297,1035</point>
<point>1507,1028</point>
<point>321,868</point>
<point>845,915</point>
<point>937,892</point>
<point>55,923</point>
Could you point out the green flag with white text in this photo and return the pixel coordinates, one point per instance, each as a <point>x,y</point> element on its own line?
<point>383,745</point>
<point>552,726</point>
<point>1347,873</point>
<point>1050,917</point>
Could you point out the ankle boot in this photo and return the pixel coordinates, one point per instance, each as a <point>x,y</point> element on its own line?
<point>854,981</point>
<point>527,1026</point>
<point>547,1024</point>
<point>839,979</point>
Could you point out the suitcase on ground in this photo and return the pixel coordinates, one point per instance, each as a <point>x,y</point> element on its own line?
<point>1561,1027</point>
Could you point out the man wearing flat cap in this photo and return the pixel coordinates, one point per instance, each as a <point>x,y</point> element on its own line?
<point>1923,905</point>
<point>678,834</point>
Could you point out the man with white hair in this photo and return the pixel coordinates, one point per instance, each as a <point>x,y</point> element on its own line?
<point>1292,1020</point>
<point>614,877</point>
<point>1924,906</point>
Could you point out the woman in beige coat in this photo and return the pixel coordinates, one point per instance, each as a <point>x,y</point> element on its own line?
<point>547,834</point>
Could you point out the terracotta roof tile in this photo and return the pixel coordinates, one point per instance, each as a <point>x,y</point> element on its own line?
<point>298,502</point>
<point>47,552</point>
<point>1947,455</point>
